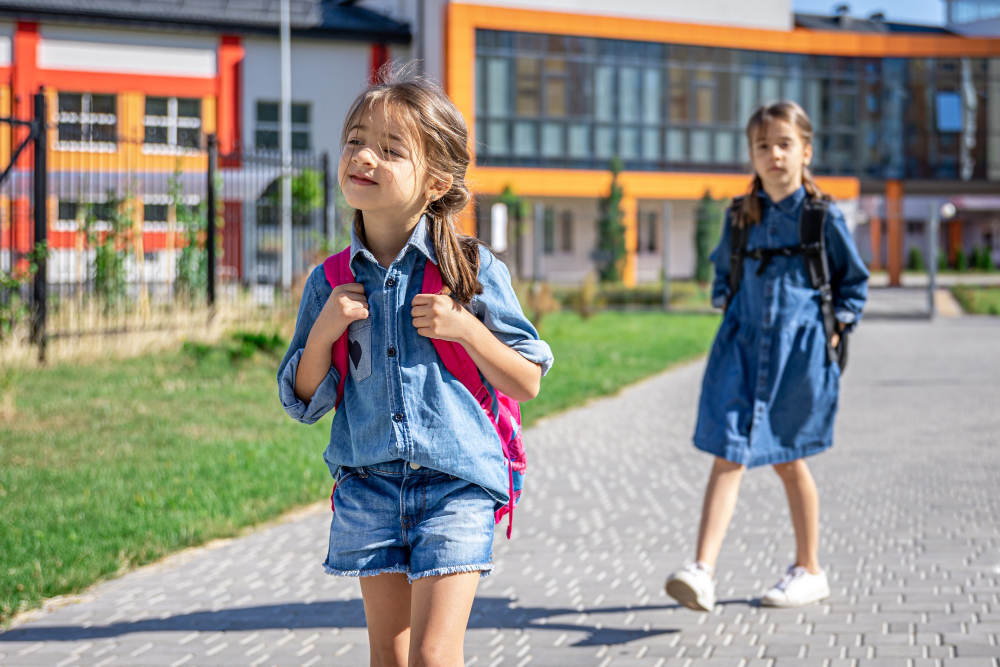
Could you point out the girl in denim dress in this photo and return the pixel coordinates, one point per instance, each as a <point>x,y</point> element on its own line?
<point>770,391</point>
<point>420,468</point>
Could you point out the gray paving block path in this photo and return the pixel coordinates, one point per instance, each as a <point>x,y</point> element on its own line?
<point>910,537</point>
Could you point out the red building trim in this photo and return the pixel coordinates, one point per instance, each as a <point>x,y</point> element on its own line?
<point>228,93</point>
<point>379,57</point>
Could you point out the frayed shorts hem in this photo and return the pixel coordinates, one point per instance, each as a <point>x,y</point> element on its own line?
<point>485,570</point>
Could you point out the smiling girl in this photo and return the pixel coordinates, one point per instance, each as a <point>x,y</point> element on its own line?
<point>420,468</point>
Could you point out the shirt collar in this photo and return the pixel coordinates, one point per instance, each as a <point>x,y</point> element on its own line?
<point>420,239</point>
<point>790,202</point>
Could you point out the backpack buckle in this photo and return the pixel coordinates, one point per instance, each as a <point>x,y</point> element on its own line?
<point>483,397</point>
<point>826,292</point>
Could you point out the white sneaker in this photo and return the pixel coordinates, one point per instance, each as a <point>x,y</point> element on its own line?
<point>798,587</point>
<point>692,587</point>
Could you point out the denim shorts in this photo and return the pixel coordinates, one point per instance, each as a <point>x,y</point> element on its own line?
<point>391,517</point>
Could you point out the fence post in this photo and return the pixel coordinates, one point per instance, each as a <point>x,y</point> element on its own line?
<point>668,212</point>
<point>40,195</point>
<point>538,242</point>
<point>326,197</point>
<point>213,156</point>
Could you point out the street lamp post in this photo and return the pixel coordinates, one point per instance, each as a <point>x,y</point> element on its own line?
<point>937,212</point>
<point>286,146</point>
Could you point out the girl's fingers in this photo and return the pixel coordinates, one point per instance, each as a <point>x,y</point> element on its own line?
<point>423,299</point>
<point>355,288</point>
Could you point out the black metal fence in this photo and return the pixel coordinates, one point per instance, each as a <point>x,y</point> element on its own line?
<point>146,238</point>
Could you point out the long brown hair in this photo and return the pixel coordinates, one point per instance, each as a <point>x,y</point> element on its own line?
<point>440,137</point>
<point>749,211</point>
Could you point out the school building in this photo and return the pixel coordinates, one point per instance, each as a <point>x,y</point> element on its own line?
<point>905,115</point>
<point>134,89</point>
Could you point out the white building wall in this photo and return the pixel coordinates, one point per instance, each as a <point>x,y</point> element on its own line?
<point>6,42</point>
<point>571,268</point>
<point>328,75</point>
<point>127,51</point>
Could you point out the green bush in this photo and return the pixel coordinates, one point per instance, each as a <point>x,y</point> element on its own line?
<point>916,260</point>
<point>961,261</point>
<point>981,259</point>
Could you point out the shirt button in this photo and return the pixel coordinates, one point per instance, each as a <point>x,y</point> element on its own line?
<point>398,417</point>
<point>391,282</point>
<point>415,466</point>
<point>392,352</point>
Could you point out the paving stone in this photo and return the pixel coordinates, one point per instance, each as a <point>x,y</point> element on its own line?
<point>908,537</point>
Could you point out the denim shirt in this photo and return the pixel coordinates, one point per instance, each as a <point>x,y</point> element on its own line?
<point>400,402</point>
<point>770,393</point>
<point>779,227</point>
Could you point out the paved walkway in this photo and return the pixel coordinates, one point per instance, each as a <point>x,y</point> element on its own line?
<point>910,535</point>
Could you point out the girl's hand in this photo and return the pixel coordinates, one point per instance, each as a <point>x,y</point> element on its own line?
<point>440,316</point>
<point>346,304</point>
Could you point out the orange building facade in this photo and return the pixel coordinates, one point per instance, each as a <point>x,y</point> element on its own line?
<point>516,74</point>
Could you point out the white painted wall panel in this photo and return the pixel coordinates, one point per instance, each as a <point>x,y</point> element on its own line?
<point>6,39</point>
<point>326,74</point>
<point>126,51</point>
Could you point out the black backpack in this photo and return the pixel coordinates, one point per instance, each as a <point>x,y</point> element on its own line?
<point>812,247</point>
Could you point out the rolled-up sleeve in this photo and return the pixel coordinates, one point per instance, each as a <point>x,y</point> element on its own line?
<point>322,401</point>
<point>314,297</point>
<point>848,273</point>
<point>499,309</point>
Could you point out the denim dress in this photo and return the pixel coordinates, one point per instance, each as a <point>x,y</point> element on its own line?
<point>769,394</point>
<point>400,402</point>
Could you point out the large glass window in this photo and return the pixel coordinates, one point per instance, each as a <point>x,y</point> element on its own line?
<point>497,86</point>
<point>679,94</point>
<point>528,82</point>
<point>87,121</point>
<point>604,92</point>
<point>552,100</point>
<point>651,95</point>
<point>628,94</point>
<point>552,140</point>
<point>704,97</point>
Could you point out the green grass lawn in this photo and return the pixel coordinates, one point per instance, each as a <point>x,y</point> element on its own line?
<point>107,467</point>
<point>978,300</point>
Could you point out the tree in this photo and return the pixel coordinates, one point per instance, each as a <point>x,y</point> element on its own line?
<point>307,195</point>
<point>518,210</point>
<point>192,219</point>
<point>106,224</point>
<point>610,253</point>
<point>707,223</point>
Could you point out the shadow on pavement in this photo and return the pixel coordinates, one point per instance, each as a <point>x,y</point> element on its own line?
<point>487,612</point>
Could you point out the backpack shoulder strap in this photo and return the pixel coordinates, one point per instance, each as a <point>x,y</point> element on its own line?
<point>338,272</point>
<point>737,247</point>
<point>453,355</point>
<point>812,237</point>
<point>458,362</point>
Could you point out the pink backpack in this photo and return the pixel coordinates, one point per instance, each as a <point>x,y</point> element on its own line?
<point>507,417</point>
